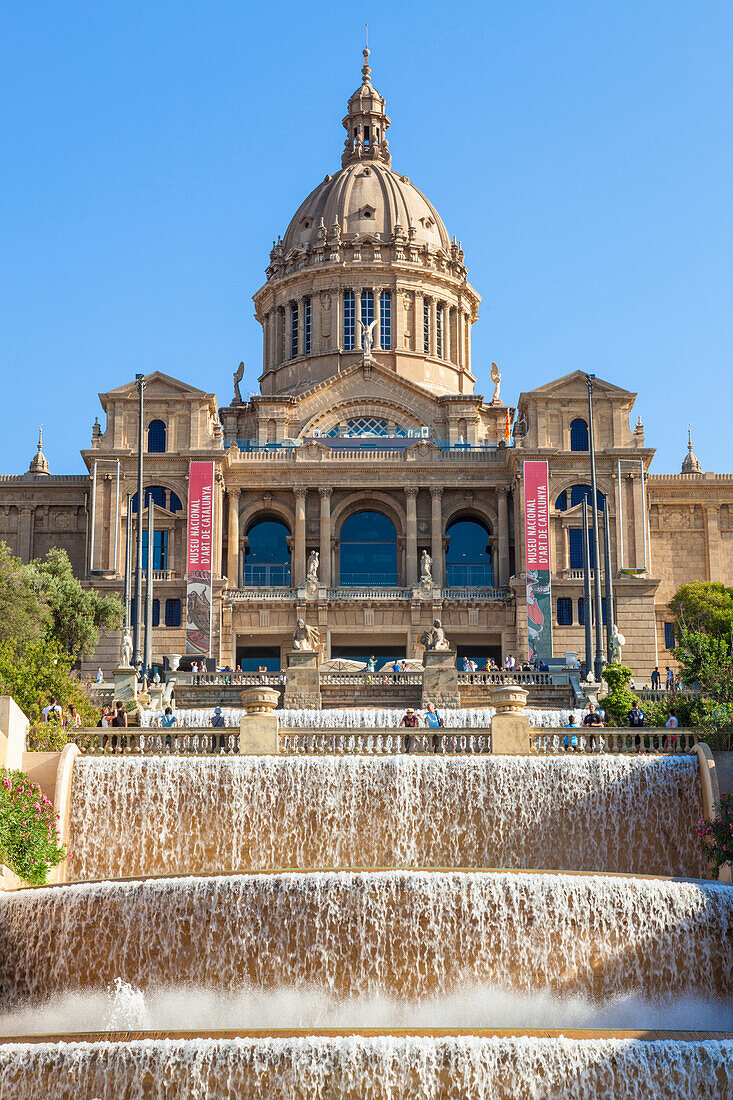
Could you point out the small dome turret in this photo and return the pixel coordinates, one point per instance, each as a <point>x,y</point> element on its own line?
<point>39,463</point>
<point>691,464</point>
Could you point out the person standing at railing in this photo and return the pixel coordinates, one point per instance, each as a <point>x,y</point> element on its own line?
<point>593,719</point>
<point>432,720</point>
<point>656,679</point>
<point>217,721</point>
<point>411,721</point>
<point>168,721</point>
<point>571,739</point>
<point>670,739</point>
<point>635,718</point>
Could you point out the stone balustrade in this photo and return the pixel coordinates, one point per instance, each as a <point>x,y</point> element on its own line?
<point>359,679</point>
<point>370,592</point>
<point>382,742</point>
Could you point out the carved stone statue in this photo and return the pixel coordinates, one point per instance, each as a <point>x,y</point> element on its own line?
<point>312,568</point>
<point>126,650</point>
<point>306,637</point>
<point>367,339</point>
<point>426,568</point>
<point>238,374</point>
<point>434,638</point>
<point>496,379</point>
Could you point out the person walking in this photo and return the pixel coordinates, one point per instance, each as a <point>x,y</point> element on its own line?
<point>100,675</point>
<point>53,712</point>
<point>119,721</point>
<point>670,678</point>
<point>656,680</point>
<point>73,718</point>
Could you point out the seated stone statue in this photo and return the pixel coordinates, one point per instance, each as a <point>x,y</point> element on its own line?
<point>434,638</point>
<point>306,637</point>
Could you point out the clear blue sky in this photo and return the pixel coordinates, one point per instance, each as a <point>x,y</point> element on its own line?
<point>582,151</point>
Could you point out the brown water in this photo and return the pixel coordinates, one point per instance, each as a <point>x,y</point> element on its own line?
<point>133,816</point>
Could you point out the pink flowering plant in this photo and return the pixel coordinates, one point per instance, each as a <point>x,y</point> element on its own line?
<point>29,840</point>
<point>717,835</point>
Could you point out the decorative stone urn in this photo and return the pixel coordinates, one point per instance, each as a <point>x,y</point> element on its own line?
<point>260,700</point>
<point>174,660</point>
<point>509,698</point>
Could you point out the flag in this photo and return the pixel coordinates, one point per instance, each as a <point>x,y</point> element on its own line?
<point>508,428</point>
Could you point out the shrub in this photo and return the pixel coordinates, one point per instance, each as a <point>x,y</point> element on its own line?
<point>36,671</point>
<point>47,737</point>
<point>717,835</point>
<point>620,698</point>
<point>29,842</point>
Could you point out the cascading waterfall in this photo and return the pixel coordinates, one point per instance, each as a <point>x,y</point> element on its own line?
<point>407,934</point>
<point>363,717</point>
<point>370,1068</point>
<point>151,815</point>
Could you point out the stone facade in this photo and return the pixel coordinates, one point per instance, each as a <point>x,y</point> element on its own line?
<point>382,418</point>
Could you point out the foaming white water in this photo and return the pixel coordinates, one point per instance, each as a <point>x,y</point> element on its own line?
<point>406,934</point>
<point>379,1068</point>
<point>158,815</point>
<point>194,1009</point>
<point>364,717</point>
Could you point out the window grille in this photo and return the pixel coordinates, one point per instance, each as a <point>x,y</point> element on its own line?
<point>172,612</point>
<point>307,319</point>
<point>156,437</point>
<point>426,327</point>
<point>348,320</point>
<point>294,330</point>
<point>564,611</point>
<point>439,332</point>
<point>385,320</point>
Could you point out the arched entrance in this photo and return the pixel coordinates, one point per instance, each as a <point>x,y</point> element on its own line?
<point>267,554</point>
<point>468,559</point>
<point>368,550</point>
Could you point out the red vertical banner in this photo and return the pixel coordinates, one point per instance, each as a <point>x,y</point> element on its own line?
<point>537,543</point>
<point>200,558</point>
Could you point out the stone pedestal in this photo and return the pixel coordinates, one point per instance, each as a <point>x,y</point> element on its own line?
<point>258,735</point>
<point>125,685</point>
<point>440,678</point>
<point>156,696</point>
<point>302,681</point>
<point>510,734</point>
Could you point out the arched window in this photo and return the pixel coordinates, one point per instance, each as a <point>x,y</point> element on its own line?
<point>385,320</point>
<point>160,496</point>
<point>267,557</point>
<point>349,320</point>
<point>357,426</point>
<point>577,494</point>
<point>368,550</point>
<point>468,557</point>
<point>156,437</point>
<point>579,435</point>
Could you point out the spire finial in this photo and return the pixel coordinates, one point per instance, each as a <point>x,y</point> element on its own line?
<point>366,72</point>
<point>689,438</point>
<point>40,438</point>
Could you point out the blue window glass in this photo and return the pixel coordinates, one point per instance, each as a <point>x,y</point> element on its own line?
<point>156,437</point>
<point>307,325</point>
<point>669,640</point>
<point>284,334</point>
<point>172,612</point>
<point>581,611</point>
<point>267,556</point>
<point>367,307</point>
<point>156,612</point>
<point>578,435</point>
<point>468,557</point>
<point>349,320</point>
<point>385,319</point>
<point>564,611</point>
<point>157,494</point>
<point>576,548</point>
<point>368,550</point>
<point>577,494</point>
<point>294,330</point>
<point>174,504</point>
<point>160,549</point>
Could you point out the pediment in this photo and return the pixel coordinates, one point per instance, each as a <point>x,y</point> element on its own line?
<point>157,385</point>
<point>573,387</point>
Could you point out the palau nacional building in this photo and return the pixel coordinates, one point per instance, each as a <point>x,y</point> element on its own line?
<point>367,488</point>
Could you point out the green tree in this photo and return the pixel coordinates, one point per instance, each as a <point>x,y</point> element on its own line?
<point>78,615</point>
<point>24,611</point>
<point>706,661</point>
<point>37,671</point>
<point>705,606</point>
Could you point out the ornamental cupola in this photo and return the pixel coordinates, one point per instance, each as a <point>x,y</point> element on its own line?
<point>367,123</point>
<point>39,463</point>
<point>691,464</point>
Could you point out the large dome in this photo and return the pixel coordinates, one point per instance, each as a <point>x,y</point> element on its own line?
<point>366,198</point>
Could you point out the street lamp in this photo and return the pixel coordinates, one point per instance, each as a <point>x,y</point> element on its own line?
<point>137,659</point>
<point>600,657</point>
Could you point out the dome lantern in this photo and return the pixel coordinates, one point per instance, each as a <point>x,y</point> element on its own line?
<point>366,123</point>
<point>691,464</point>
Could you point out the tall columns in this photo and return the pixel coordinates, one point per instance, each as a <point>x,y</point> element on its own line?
<point>433,326</point>
<point>299,548</point>
<point>411,546</point>
<point>503,512</point>
<point>325,544</point>
<point>233,539</point>
<point>436,534</point>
